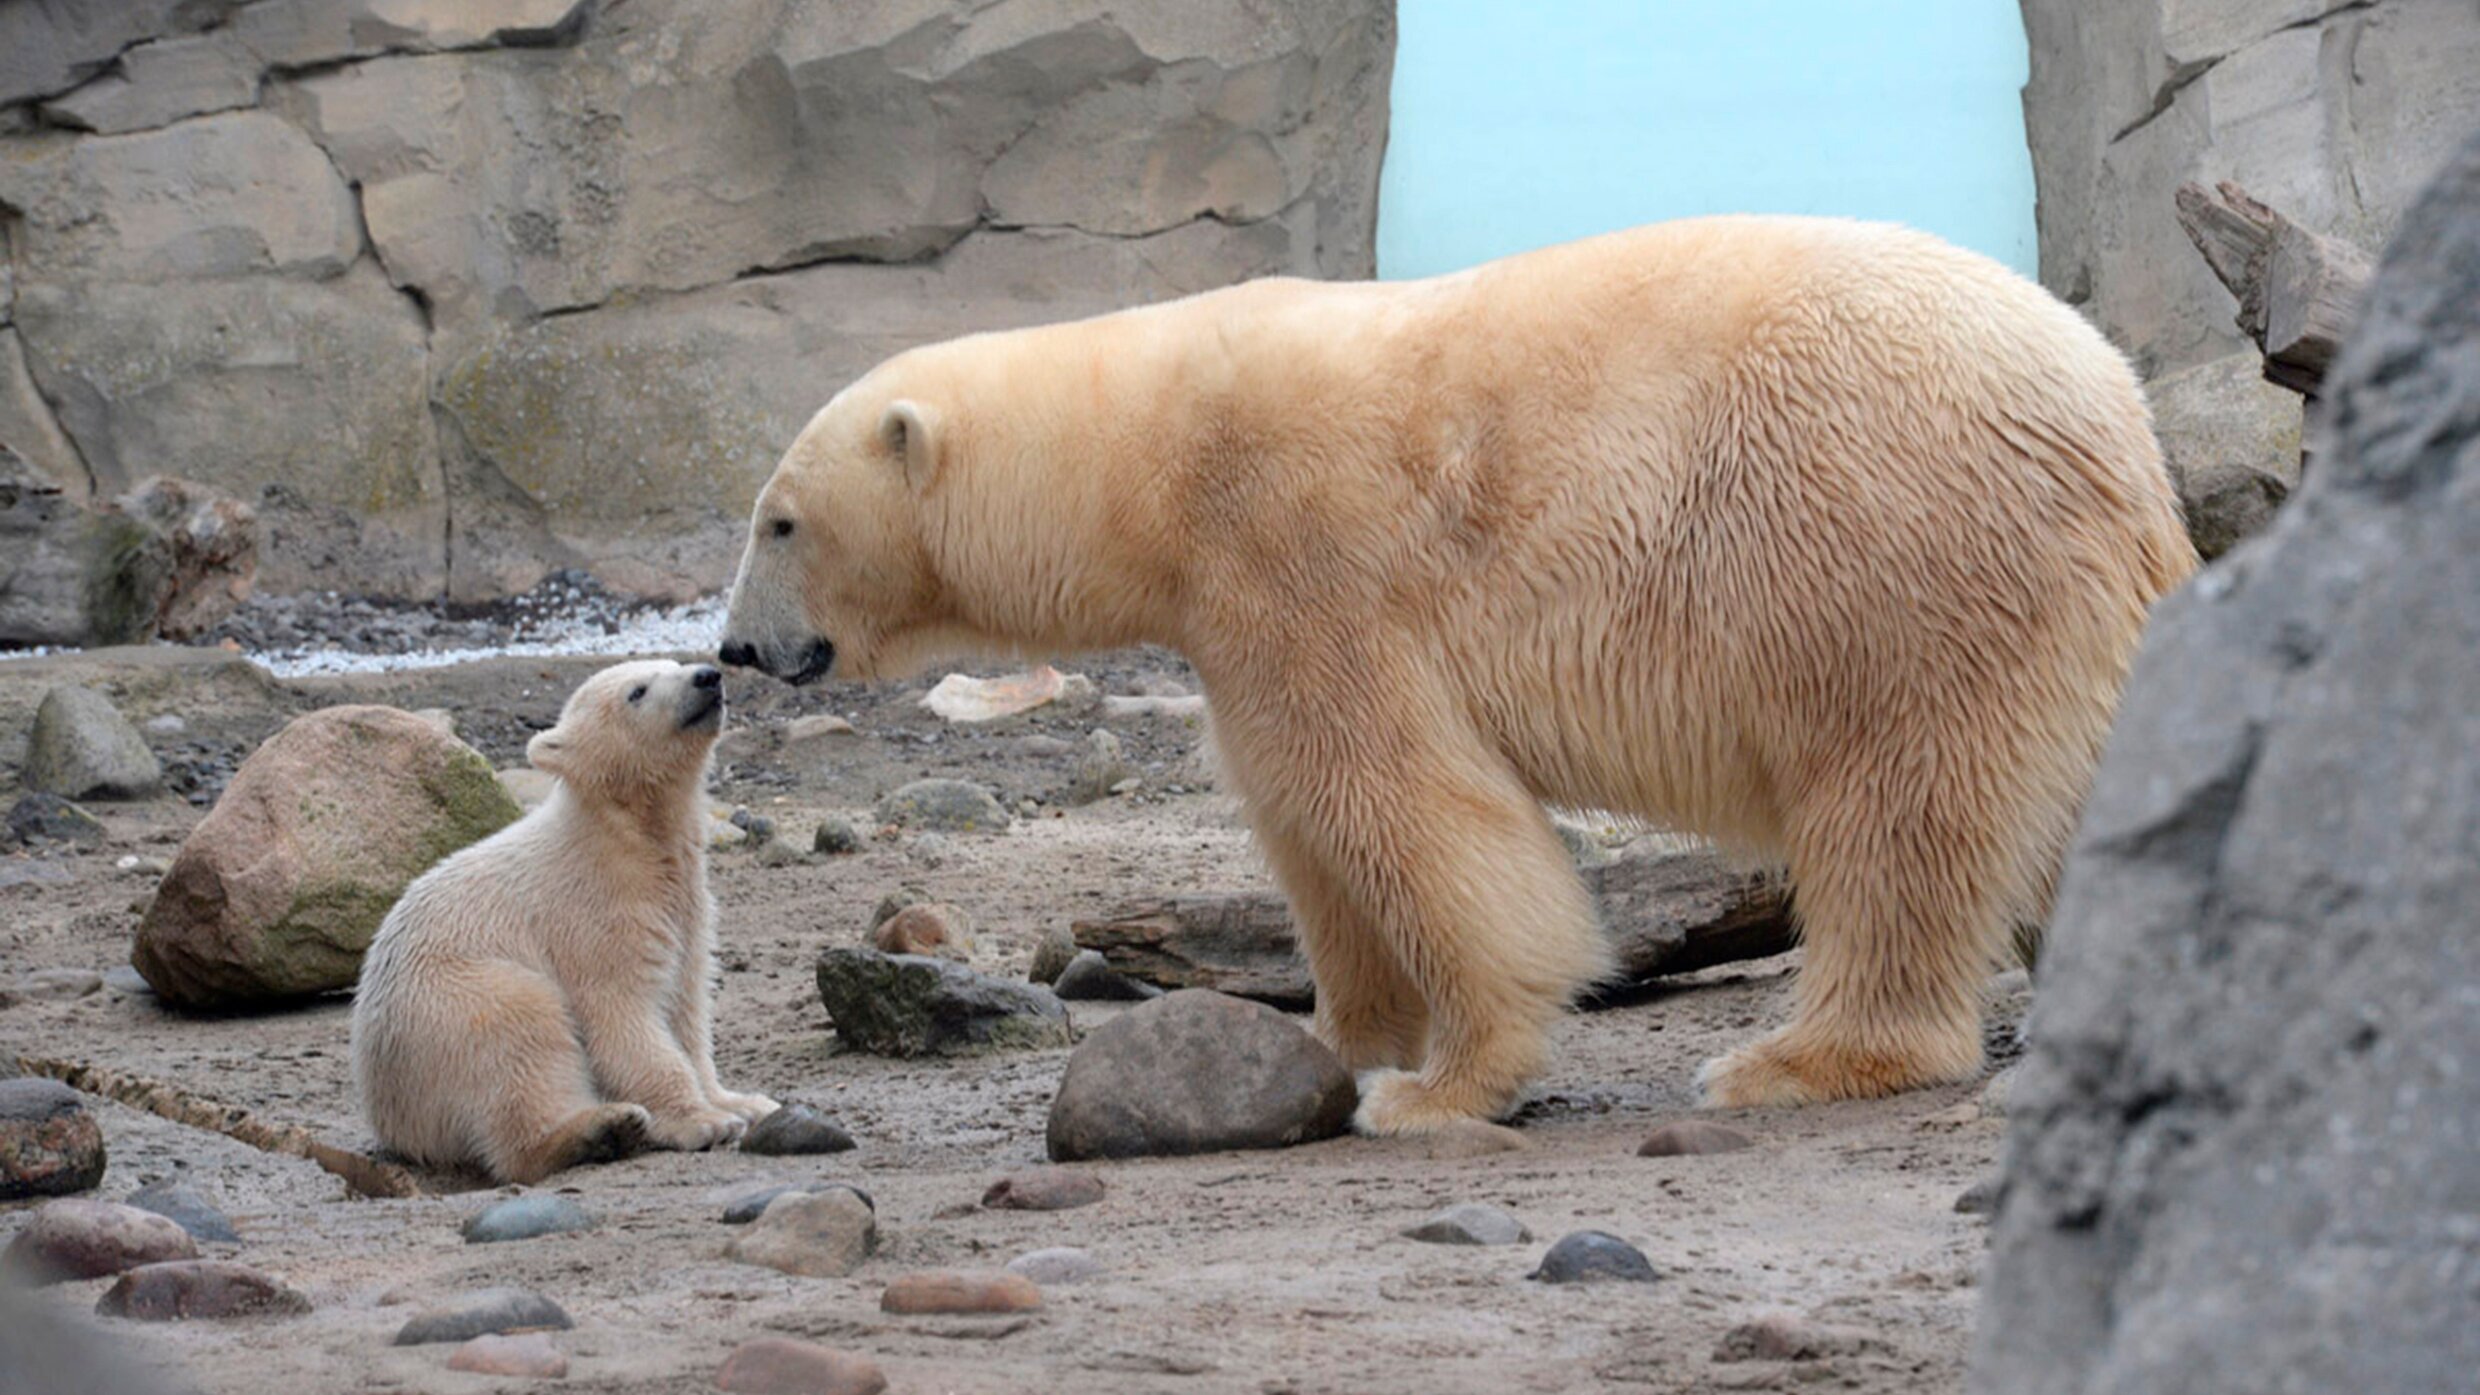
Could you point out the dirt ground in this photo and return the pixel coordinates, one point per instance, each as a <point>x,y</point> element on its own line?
<point>1261,1272</point>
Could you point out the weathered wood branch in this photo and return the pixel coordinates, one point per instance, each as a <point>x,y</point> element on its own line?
<point>366,1175</point>
<point>1665,915</point>
<point>2297,289</point>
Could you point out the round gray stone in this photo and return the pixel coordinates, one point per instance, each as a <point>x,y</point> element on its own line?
<point>1470,1223</point>
<point>82,748</point>
<point>1197,1072</point>
<point>524,1218</point>
<point>470,1315</point>
<point>1594,1256</point>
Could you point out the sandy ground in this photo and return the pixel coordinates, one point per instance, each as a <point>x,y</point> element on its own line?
<point>1244,1272</point>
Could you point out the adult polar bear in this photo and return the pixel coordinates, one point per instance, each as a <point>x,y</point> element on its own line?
<point>1823,538</point>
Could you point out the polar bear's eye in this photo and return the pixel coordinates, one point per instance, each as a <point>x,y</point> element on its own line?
<point>637,692</point>
<point>781,527</point>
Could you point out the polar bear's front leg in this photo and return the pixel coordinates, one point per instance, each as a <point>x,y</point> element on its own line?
<point>692,1027</point>
<point>636,1060</point>
<point>1369,1011</point>
<point>1451,871</point>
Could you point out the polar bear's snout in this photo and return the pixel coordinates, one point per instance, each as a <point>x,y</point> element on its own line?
<point>805,665</point>
<point>702,705</point>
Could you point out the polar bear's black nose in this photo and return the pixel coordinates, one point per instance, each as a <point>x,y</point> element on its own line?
<point>707,676</point>
<point>739,653</point>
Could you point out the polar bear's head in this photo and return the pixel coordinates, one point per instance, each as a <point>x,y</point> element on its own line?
<point>838,572</point>
<point>636,724</point>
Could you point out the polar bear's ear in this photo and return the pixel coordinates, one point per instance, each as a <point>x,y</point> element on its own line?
<point>548,751</point>
<point>906,430</point>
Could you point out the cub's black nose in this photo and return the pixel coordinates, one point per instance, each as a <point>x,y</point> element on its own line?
<point>707,676</point>
<point>739,653</point>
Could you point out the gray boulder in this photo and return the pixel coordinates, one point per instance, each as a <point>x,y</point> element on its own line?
<point>945,806</point>
<point>83,748</point>
<point>2243,1152</point>
<point>1197,1072</point>
<point>912,1005</point>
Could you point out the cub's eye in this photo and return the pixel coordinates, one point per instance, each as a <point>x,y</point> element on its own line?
<point>637,692</point>
<point>781,527</point>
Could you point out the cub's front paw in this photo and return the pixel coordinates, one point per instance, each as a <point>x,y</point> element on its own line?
<point>751,1108</point>
<point>697,1130</point>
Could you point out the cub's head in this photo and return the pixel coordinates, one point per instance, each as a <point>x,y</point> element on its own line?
<point>633,725</point>
<point>838,572</point>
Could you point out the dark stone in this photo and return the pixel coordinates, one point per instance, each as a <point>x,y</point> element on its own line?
<point>1979,1199</point>
<point>1197,1072</point>
<point>836,837</point>
<point>1089,978</point>
<point>2241,1153</point>
<point>910,1005</point>
<point>49,1144</point>
<point>526,1217</point>
<point>188,1289</point>
<point>48,818</point>
<point>471,1315</point>
<point>1591,1257</point>
<point>185,1207</point>
<point>795,1129</point>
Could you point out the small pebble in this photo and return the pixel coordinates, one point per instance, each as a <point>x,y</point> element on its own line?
<point>1979,1199</point>
<point>795,1129</point>
<point>927,927</point>
<point>1090,978</point>
<point>1593,1256</point>
<point>824,1236</point>
<point>1684,1138</point>
<point>526,1217</point>
<point>127,982</point>
<point>168,724</point>
<point>1470,1223</point>
<point>1061,1264</point>
<point>1052,955</point>
<point>59,985</point>
<point>782,1366</point>
<point>777,853</point>
<point>835,837</point>
<point>528,1354</point>
<point>186,1208</point>
<point>746,1206</point>
<point>190,1289</point>
<point>1043,1189</point>
<point>483,1311</point>
<point>76,1238</point>
<point>961,1292</point>
<point>1788,1337</point>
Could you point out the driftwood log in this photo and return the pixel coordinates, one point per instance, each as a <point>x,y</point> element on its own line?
<point>2297,289</point>
<point>1665,915</point>
<point>366,1175</point>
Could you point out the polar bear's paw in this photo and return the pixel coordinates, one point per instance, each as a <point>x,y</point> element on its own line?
<point>696,1130</point>
<point>751,1108</point>
<point>1778,1071</point>
<point>1396,1103</point>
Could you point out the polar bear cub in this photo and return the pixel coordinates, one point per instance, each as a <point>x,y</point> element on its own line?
<point>539,999</point>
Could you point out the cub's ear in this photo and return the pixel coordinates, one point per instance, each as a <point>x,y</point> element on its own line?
<point>548,751</point>
<point>909,431</point>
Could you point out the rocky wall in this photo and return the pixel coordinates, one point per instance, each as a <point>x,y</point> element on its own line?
<point>456,293</point>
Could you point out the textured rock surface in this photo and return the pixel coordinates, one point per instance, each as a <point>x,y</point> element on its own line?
<point>199,1289</point>
<point>909,1005</point>
<point>824,1234</point>
<point>83,748</point>
<point>1197,1072</point>
<point>49,1144</point>
<point>278,890</point>
<point>783,1366</point>
<point>2247,1139</point>
<point>489,1310</point>
<point>75,1238</point>
<point>460,293</point>
<point>2333,111</point>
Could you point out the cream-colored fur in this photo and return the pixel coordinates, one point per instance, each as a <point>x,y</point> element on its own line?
<point>540,999</point>
<point>1824,538</point>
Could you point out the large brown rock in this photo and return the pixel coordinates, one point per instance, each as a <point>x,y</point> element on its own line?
<point>277,892</point>
<point>49,1144</point>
